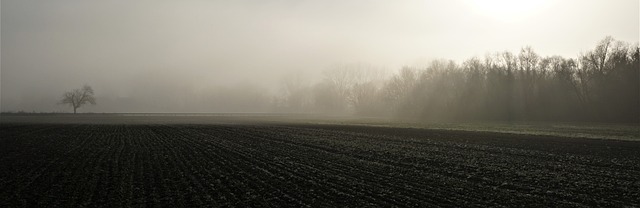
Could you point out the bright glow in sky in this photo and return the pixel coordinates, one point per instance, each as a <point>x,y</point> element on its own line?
<point>127,48</point>
<point>508,10</point>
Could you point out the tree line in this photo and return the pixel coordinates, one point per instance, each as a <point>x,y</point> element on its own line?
<point>600,85</point>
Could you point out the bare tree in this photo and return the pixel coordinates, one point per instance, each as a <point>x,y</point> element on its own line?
<point>343,80</point>
<point>78,97</point>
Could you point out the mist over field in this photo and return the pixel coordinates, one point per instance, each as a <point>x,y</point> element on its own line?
<point>431,60</point>
<point>319,103</point>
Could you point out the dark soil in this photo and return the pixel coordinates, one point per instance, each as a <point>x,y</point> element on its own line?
<point>276,165</point>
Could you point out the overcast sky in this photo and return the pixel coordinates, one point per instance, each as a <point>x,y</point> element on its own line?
<point>141,49</point>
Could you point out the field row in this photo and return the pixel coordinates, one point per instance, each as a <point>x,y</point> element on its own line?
<point>307,165</point>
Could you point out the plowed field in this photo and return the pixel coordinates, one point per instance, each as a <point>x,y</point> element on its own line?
<point>275,165</point>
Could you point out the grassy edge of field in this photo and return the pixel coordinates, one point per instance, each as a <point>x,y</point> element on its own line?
<point>614,131</point>
<point>626,132</point>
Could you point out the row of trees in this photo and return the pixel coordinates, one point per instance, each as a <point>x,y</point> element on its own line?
<point>344,89</point>
<point>602,84</point>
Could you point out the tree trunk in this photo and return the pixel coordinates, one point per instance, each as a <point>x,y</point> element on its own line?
<point>74,110</point>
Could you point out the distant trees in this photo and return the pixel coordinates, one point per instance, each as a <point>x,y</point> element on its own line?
<point>297,96</point>
<point>599,85</point>
<point>78,97</point>
<point>342,89</point>
<point>609,80</point>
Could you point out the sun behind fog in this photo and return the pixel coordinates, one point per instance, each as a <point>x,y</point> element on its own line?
<point>507,10</point>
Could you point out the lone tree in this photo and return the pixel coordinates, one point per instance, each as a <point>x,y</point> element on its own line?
<point>78,97</point>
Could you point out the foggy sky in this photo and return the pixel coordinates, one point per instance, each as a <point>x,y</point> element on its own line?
<point>157,55</point>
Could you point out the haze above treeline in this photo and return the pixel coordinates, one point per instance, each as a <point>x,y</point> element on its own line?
<point>433,60</point>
